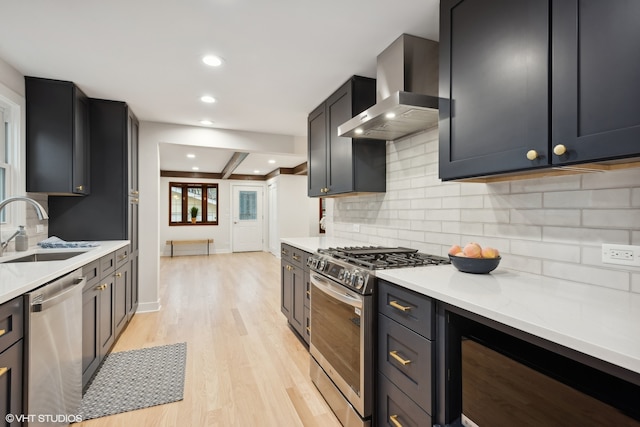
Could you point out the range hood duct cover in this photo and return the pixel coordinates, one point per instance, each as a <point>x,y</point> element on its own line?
<point>406,92</point>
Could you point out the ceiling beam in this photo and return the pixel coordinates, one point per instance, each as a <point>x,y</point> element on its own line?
<point>233,163</point>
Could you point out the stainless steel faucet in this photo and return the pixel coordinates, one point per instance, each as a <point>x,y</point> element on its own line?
<point>42,214</point>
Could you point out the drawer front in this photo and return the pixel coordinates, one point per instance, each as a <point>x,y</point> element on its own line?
<point>91,272</point>
<point>107,264</point>
<point>408,308</point>
<point>396,409</point>
<point>286,252</point>
<point>122,256</point>
<point>406,359</point>
<point>11,322</point>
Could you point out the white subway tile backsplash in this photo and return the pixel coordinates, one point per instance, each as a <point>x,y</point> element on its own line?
<point>566,217</point>
<point>553,183</point>
<point>610,198</point>
<point>635,283</point>
<point>612,179</point>
<point>580,273</point>
<point>485,215</point>
<point>611,218</point>
<point>519,231</point>
<point>544,250</point>
<point>584,236</point>
<point>553,226</point>
<point>533,200</point>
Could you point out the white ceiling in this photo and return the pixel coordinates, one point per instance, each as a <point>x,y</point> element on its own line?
<point>282,57</point>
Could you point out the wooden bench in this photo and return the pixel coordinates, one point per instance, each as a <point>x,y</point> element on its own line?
<point>189,242</point>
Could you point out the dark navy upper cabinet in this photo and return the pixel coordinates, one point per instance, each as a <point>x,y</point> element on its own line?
<point>57,116</point>
<point>532,84</point>
<point>596,84</point>
<point>339,165</point>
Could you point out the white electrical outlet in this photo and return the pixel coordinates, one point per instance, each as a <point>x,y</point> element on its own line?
<point>621,254</point>
<point>356,228</point>
<point>39,228</point>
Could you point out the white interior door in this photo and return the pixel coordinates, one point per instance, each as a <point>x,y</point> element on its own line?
<point>273,219</point>
<point>247,218</point>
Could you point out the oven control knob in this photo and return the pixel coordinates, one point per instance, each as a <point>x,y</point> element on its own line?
<point>356,278</point>
<point>346,276</point>
<point>321,264</point>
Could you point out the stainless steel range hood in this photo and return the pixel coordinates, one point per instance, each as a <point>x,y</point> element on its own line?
<point>407,92</point>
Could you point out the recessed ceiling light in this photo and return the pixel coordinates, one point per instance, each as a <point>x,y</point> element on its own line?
<point>256,171</point>
<point>206,122</point>
<point>212,60</point>
<point>208,99</point>
<point>390,115</point>
<point>359,131</point>
<point>191,156</point>
<point>195,168</point>
<point>272,161</point>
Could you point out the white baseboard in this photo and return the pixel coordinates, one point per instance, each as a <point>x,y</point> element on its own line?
<point>148,307</point>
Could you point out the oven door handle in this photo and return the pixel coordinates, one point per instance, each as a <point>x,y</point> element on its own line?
<point>341,295</point>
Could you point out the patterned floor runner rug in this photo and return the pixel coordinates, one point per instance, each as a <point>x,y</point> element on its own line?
<point>136,379</point>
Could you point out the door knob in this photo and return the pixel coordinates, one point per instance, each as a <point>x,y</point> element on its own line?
<point>559,150</point>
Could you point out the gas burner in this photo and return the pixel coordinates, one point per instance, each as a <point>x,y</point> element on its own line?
<point>378,257</point>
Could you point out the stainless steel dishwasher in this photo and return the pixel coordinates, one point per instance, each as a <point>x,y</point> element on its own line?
<point>54,351</point>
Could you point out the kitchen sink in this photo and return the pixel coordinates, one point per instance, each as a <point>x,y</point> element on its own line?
<point>44,256</point>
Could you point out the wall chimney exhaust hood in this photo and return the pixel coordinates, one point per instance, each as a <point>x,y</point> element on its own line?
<point>406,92</point>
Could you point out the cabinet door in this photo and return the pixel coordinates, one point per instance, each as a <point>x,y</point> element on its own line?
<point>106,324</point>
<point>57,137</point>
<point>317,152</point>
<point>596,90</point>
<point>90,332</point>
<point>494,86</point>
<point>11,382</point>
<point>340,150</point>
<point>133,299</point>
<point>286,290</point>
<point>81,148</point>
<point>299,294</point>
<point>122,295</point>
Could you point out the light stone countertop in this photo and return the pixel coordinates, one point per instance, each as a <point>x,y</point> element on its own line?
<point>21,277</point>
<point>598,321</point>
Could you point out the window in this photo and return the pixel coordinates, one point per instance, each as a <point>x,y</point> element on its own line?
<point>188,198</point>
<point>5,148</point>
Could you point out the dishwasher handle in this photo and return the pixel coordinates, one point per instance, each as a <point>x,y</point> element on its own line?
<point>57,298</point>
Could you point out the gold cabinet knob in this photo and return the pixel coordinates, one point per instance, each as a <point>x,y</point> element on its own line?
<point>80,188</point>
<point>532,154</point>
<point>559,150</point>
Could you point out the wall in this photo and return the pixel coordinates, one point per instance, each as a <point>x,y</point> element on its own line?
<point>12,90</point>
<point>221,233</point>
<point>552,226</point>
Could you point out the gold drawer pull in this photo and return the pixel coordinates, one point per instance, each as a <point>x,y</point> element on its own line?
<point>2,332</point>
<point>395,304</point>
<point>80,188</point>
<point>101,287</point>
<point>394,420</point>
<point>123,256</point>
<point>309,293</point>
<point>308,329</point>
<point>296,258</point>
<point>395,355</point>
<point>118,274</point>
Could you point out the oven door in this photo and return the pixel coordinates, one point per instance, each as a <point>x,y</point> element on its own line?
<point>341,328</point>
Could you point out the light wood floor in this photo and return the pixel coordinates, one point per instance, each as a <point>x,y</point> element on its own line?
<point>245,367</point>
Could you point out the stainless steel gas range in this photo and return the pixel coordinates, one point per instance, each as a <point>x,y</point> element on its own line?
<point>343,285</point>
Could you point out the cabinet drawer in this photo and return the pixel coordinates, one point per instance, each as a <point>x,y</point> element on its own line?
<point>406,359</point>
<point>394,405</point>
<point>11,322</point>
<point>91,272</point>
<point>294,255</point>
<point>107,264</point>
<point>408,308</point>
<point>122,256</point>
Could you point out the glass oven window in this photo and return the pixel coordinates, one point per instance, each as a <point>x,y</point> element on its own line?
<point>335,333</point>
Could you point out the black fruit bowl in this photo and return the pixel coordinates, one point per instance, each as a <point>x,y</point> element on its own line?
<point>474,265</point>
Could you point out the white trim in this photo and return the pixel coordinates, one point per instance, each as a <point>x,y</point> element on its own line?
<point>148,307</point>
